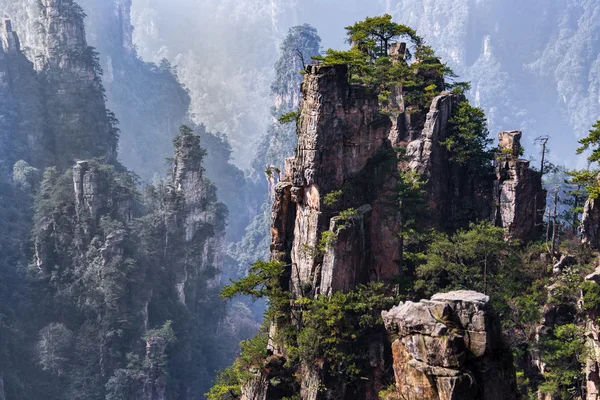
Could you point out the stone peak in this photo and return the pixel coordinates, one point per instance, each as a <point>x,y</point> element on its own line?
<point>9,38</point>
<point>510,141</point>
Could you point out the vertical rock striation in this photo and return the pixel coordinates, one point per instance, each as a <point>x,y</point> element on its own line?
<point>590,223</point>
<point>519,197</point>
<point>195,221</point>
<point>335,225</point>
<point>22,130</point>
<point>79,123</point>
<point>340,134</point>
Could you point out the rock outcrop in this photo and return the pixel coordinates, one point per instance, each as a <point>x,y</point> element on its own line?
<point>519,197</point>
<point>335,225</point>
<point>194,219</point>
<point>590,224</point>
<point>55,98</point>
<point>155,385</point>
<point>342,143</point>
<point>79,123</point>
<point>450,347</point>
<point>592,337</point>
<point>22,111</point>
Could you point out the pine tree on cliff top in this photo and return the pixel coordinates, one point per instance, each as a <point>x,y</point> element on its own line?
<point>371,63</point>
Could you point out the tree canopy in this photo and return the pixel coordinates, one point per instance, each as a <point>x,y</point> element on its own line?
<point>592,140</point>
<point>370,62</point>
<point>375,34</point>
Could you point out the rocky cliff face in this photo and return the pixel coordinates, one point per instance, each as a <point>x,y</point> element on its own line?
<point>341,132</point>
<point>78,120</point>
<point>335,226</point>
<point>519,197</point>
<point>24,134</point>
<point>450,347</point>
<point>58,100</point>
<point>194,208</point>
<point>110,263</point>
<point>590,224</point>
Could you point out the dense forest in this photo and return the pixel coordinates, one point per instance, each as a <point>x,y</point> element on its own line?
<point>380,243</point>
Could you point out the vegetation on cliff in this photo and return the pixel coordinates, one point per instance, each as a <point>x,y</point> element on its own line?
<point>529,280</point>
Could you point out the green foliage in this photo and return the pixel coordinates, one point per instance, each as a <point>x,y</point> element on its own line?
<point>579,186</point>
<point>475,259</point>
<point>592,140</point>
<point>328,238</point>
<point>165,332</point>
<point>262,279</point>
<point>289,117</point>
<point>337,329</point>
<point>375,34</point>
<point>468,140</point>
<point>187,146</point>
<point>253,358</point>
<point>591,297</point>
<point>348,214</point>
<point>370,64</point>
<point>53,348</point>
<point>228,385</point>
<point>409,201</point>
<point>331,199</point>
<point>332,329</point>
<point>563,351</point>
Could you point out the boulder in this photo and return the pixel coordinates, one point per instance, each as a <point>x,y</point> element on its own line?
<point>450,347</point>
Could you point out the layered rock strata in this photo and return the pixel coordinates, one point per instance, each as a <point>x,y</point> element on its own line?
<point>450,347</point>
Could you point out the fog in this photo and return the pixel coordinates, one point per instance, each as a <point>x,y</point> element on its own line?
<point>534,64</point>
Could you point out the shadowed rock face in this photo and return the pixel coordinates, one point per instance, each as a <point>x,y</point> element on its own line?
<point>450,347</point>
<point>57,106</point>
<point>519,196</point>
<point>22,130</point>
<point>590,224</point>
<point>78,120</point>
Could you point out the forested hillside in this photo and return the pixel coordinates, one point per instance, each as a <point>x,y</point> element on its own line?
<point>110,284</point>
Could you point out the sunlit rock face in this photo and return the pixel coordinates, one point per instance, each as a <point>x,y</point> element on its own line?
<point>518,196</point>
<point>590,223</point>
<point>346,150</point>
<point>450,347</point>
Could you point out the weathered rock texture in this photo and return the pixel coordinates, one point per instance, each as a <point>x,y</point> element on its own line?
<point>592,356</point>
<point>450,347</point>
<point>79,123</point>
<point>590,224</point>
<point>454,195</point>
<point>195,221</point>
<point>55,99</point>
<point>343,145</point>
<point>22,111</point>
<point>519,197</point>
<point>347,146</point>
<point>113,265</point>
